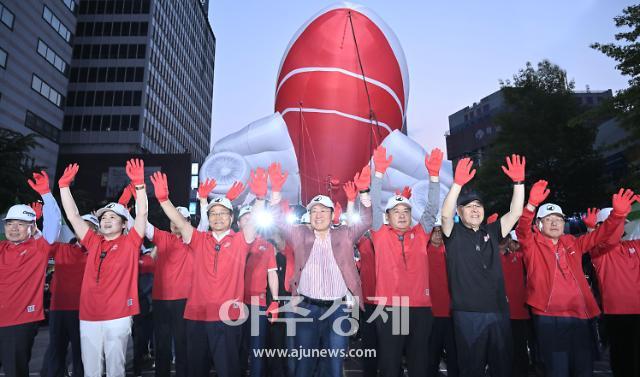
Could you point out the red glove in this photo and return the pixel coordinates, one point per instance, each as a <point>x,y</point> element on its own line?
<point>363,179</point>
<point>277,177</point>
<point>406,192</point>
<point>492,218</point>
<point>37,208</point>
<point>538,193</point>
<point>272,310</point>
<point>336,213</point>
<point>69,174</point>
<point>590,218</point>
<point>463,171</point>
<point>236,189</point>
<point>351,191</point>
<point>622,202</point>
<point>135,171</point>
<point>40,183</point>
<point>515,167</point>
<point>206,187</point>
<point>433,162</point>
<point>258,183</point>
<point>380,159</point>
<point>160,186</point>
<point>126,195</point>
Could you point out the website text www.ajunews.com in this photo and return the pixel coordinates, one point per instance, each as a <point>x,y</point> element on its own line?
<point>300,353</point>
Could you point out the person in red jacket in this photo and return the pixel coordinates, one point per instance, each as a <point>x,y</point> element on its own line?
<point>64,323</point>
<point>23,263</point>
<point>402,271</point>
<point>367,268</point>
<point>557,291</point>
<point>514,284</point>
<point>618,270</point>
<point>214,307</point>
<point>109,293</point>
<point>441,338</point>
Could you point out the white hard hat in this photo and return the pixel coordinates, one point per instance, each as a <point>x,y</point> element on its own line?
<point>184,212</point>
<point>320,199</point>
<point>513,235</point>
<point>395,200</point>
<point>603,214</point>
<point>244,210</point>
<point>220,201</point>
<point>117,208</point>
<point>549,209</point>
<point>21,212</point>
<point>91,218</point>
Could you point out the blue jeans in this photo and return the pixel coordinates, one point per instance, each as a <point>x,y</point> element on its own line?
<point>319,334</point>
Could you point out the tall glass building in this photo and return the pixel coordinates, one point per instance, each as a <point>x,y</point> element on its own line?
<point>36,40</point>
<point>141,79</point>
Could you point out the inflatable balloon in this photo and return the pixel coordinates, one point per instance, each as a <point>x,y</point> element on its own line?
<point>342,87</point>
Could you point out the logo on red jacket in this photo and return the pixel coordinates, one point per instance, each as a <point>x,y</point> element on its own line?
<point>632,250</point>
<point>227,244</point>
<point>31,308</point>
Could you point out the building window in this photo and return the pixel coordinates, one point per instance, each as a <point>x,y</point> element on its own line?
<point>46,91</point>
<point>3,58</point>
<point>42,127</point>
<point>6,16</point>
<point>47,52</point>
<point>71,4</point>
<point>56,24</point>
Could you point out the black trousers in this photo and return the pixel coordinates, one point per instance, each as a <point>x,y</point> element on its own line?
<point>442,339</point>
<point>414,344</point>
<point>369,340</point>
<point>64,328</point>
<point>521,334</point>
<point>624,340</point>
<point>483,339</point>
<point>170,328</point>
<point>15,348</point>
<point>566,345</point>
<point>141,332</point>
<point>217,341</point>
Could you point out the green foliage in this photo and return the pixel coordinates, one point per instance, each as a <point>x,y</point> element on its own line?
<point>540,123</point>
<point>16,167</point>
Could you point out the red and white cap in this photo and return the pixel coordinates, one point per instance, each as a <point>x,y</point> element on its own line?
<point>395,200</point>
<point>320,199</point>
<point>116,208</point>
<point>549,209</point>
<point>220,201</point>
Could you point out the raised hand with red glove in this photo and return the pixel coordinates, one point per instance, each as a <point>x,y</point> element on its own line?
<point>515,168</point>
<point>40,183</point>
<point>380,159</point>
<point>258,183</point>
<point>492,218</point>
<point>622,202</point>
<point>538,193</point>
<point>433,162</point>
<point>363,179</point>
<point>277,177</point>
<point>206,187</point>
<point>463,172</point>
<point>160,186</point>
<point>236,189</point>
<point>590,218</point>
<point>126,195</point>
<point>351,191</point>
<point>37,208</point>
<point>69,174</point>
<point>135,171</point>
<point>405,192</point>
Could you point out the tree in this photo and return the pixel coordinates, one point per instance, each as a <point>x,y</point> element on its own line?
<point>16,167</point>
<point>539,122</point>
<point>626,104</point>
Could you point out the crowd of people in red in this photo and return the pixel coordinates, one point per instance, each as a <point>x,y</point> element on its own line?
<point>483,293</point>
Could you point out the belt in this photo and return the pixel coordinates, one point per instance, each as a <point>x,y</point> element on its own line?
<point>318,302</point>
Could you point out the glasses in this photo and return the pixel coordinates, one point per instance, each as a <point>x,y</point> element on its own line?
<point>219,214</point>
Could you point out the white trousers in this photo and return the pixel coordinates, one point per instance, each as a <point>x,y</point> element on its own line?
<point>105,340</point>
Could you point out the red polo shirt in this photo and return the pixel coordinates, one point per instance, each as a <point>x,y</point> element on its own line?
<point>22,271</point>
<point>173,267</point>
<point>261,259</point>
<point>110,284</point>
<point>70,260</point>
<point>218,277</point>
<point>618,271</point>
